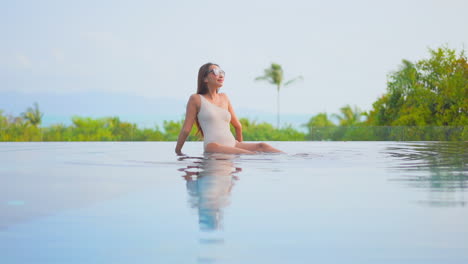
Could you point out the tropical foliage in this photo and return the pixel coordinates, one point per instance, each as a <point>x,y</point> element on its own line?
<point>253,131</point>
<point>425,100</point>
<point>430,92</point>
<point>319,127</point>
<point>349,116</point>
<point>33,115</point>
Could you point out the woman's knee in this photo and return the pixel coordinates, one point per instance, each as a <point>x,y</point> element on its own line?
<point>262,146</point>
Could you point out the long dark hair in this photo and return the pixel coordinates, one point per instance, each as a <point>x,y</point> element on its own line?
<point>202,88</point>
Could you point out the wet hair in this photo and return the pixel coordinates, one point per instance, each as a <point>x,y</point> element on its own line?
<point>202,88</point>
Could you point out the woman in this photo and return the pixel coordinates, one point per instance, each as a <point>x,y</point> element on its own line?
<point>212,112</point>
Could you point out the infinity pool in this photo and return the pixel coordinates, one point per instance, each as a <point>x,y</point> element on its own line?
<point>322,202</point>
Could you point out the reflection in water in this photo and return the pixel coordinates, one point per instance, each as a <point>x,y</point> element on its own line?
<point>440,167</point>
<point>209,183</point>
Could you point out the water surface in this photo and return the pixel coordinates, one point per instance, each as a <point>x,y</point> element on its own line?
<point>323,202</point>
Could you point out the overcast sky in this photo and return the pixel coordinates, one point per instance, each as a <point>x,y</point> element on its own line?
<point>343,49</point>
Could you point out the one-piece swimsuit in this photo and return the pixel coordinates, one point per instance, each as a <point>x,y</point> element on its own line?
<point>214,122</point>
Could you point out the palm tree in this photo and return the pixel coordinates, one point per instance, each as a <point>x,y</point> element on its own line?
<point>274,75</point>
<point>320,127</point>
<point>320,120</point>
<point>33,115</point>
<point>349,116</point>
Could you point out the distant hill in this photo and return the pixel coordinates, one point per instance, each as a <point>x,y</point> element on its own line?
<point>145,111</point>
<point>90,104</point>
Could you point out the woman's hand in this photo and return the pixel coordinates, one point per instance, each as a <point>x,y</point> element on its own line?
<point>179,152</point>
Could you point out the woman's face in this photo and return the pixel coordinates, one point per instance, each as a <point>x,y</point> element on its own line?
<point>215,76</point>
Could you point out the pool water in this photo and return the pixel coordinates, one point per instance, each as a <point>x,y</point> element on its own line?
<point>320,202</point>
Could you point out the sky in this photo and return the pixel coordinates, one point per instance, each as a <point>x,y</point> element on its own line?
<point>343,49</point>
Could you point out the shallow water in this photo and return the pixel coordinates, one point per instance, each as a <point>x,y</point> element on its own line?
<point>323,202</point>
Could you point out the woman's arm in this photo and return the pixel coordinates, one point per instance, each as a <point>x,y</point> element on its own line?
<point>190,115</point>
<point>235,122</point>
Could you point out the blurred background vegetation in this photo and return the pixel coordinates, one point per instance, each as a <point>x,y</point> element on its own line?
<point>425,100</point>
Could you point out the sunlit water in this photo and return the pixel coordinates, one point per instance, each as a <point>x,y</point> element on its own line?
<point>322,202</point>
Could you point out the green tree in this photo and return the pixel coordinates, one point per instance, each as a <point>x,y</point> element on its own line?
<point>320,120</point>
<point>122,131</point>
<point>3,120</point>
<point>253,131</point>
<point>33,115</point>
<point>349,116</point>
<point>320,127</point>
<point>430,92</point>
<point>172,130</point>
<point>274,75</point>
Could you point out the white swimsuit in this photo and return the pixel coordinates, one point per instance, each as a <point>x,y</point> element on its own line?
<point>214,122</point>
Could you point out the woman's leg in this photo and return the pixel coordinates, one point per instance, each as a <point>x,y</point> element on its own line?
<point>261,147</point>
<point>215,147</point>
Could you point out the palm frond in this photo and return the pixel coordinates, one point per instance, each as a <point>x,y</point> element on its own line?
<point>33,115</point>
<point>261,78</point>
<point>298,78</point>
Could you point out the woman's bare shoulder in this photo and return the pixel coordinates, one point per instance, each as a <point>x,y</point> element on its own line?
<point>224,95</point>
<point>194,98</point>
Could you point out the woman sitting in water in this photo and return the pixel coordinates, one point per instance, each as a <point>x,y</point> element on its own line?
<point>212,112</point>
